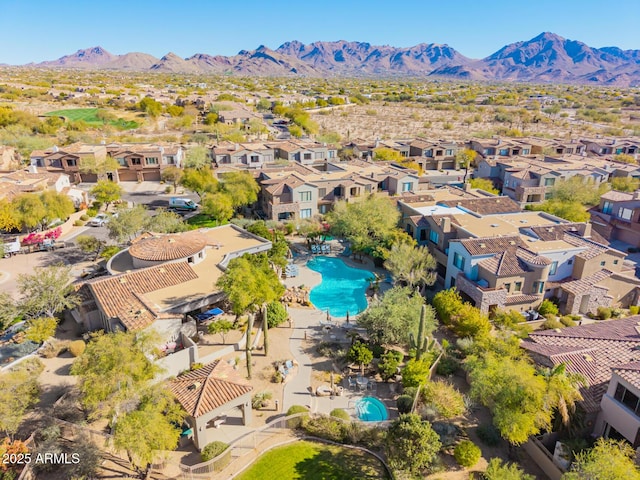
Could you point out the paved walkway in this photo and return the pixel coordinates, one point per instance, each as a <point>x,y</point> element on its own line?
<point>297,390</point>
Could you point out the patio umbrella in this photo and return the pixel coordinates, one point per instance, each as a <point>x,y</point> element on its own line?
<point>347,316</point>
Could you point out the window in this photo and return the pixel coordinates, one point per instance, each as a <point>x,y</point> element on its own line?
<point>548,195</point>
<point>323,208</point>
<point>570,262</point>
<point>322,192</point>
<point>517,287</point>
<point>71,162</point>
<point>554,268</point>
<point>332,154</point>
<point>305,213</point>
<point>305,196</point>
<point>525,151</point>
<point>504,152</point>
<point>171,160</point>
<point>449,152</point>
<point>453,282</point>
<point>627,398</point>
<point>538,287</point>
<point>307,156</point>
<point>485,151</point>
<point>625,213</point>
<point>122,162</point>
<point>507,287</point>
<point>615,262</point>
<point>136,161</point>
<point>406,186</point>
<point>603,263</point>
<point>151,161</point>
<point>433,236</point>
<point>428,153</point>
<point>255,158</point>
<point>548,182</point>
<point>618,150</point>
<point>423,234</point>
<point>458,260</point>
<point>438,153</point>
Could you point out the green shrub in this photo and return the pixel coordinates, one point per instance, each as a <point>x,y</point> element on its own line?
<point>196,366</point>
<point>340,413</point>
<point>444,398</point>
<point>404,403</point>
<point>92,212</point>
<point>567,321</point>
<point>550,324</point>
<point>447,365</point>
<point>109,251</point>
<point>212,450</point>
<point>78,223</point>
<point>325,427</point>
<point>616,313</point>
<point>296,422</point>
<point>84,217</point>
<point>261,400</point>
<point>547,307</point>
<point>276,313</point>
<point>40,329</point>
<point>604,313</point>
<point>489,434</point>
<point>77,347</point>
<point>634,309</point>
<point>53,348</point>
<point>467,453</point>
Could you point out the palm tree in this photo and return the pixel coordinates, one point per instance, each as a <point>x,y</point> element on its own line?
<point>563,390</point>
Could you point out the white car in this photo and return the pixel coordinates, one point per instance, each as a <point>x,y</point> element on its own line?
<point>99,220</point>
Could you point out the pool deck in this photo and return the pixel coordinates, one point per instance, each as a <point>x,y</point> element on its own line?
<point>308,323</point>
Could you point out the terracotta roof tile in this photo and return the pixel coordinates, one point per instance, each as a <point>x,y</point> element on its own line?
<point>616,196</point>
<point>586,284</point>
<point>518,299</point>
<point>592,350</point>
<point>489,245</point>
<point>168,247</point>
<point>120,296</point>
<point>205,389</point>
<point>486,206</point>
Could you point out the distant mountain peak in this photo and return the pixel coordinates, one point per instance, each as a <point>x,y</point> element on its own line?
<point>547,57</point>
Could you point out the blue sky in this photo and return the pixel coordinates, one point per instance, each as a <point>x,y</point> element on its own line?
<point>37,30</point>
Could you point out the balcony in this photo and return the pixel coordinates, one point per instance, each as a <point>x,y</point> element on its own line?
<point>483,297</point>
<point>620,418</point>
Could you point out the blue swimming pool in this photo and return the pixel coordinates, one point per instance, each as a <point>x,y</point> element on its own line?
<point>370,409</point>
<point>342,289</point>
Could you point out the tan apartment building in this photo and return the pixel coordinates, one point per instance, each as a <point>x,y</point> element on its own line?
<point>617,217</point>
<point>306,191</point>
<point>137,162</point>
<point>537,260</point>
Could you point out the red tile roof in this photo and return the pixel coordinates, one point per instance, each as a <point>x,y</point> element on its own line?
<point>205,389</point>
<point>489,245</point>
<point>592,350</point>
<point>160,248</point>
<point>120,296</point>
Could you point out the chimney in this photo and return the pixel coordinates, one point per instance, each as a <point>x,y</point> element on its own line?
<point>236,147</point>
<point>467,187</point>
<point>33,169</point>
<point>587,230</point>
<point>445,224</point>
<point>636,195</point>
<point>377,144</point>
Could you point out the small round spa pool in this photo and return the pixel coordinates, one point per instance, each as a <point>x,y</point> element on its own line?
<point>370,409</point>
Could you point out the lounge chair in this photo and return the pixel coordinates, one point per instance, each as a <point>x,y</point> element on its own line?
<point>314,249</point>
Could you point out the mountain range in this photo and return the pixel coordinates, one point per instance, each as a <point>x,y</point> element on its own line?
<point>545,58</point>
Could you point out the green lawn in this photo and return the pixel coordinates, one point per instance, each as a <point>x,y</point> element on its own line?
<point>314,461</point>
<point>201,220</point>
<point>90,116</point>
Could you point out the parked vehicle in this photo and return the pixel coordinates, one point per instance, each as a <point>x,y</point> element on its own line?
<point>99,220</point>
<point>10,248</point>
<point>182,204</point>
